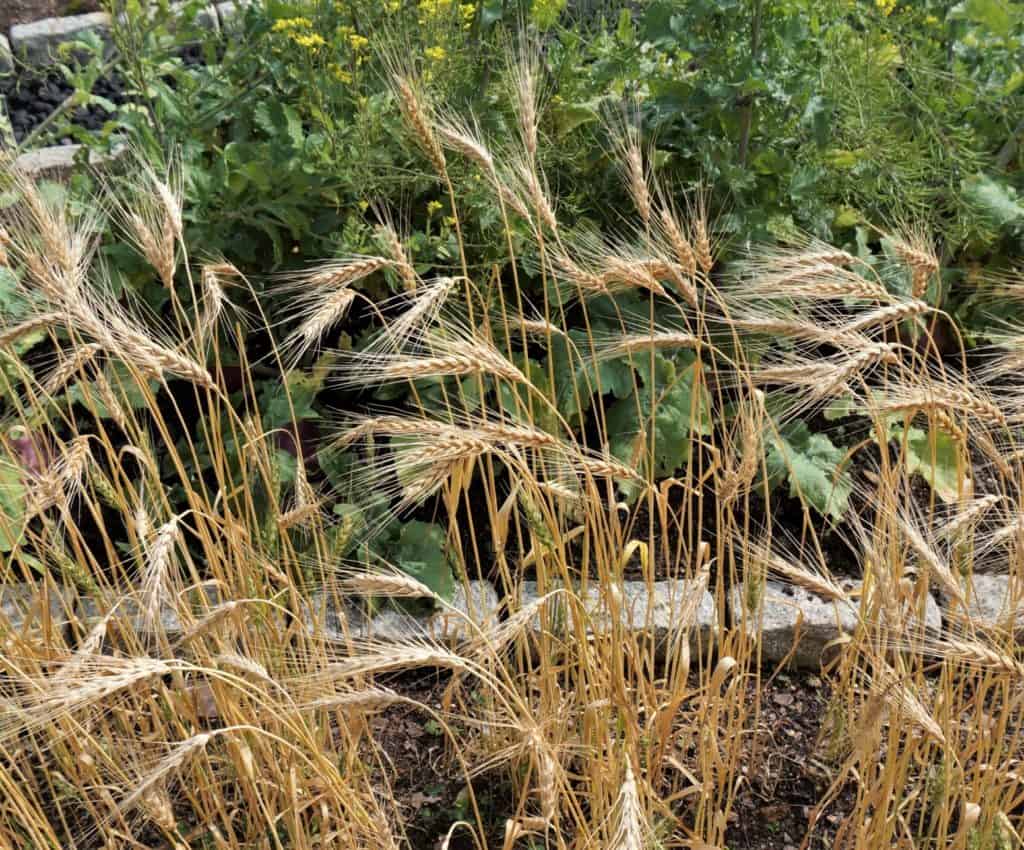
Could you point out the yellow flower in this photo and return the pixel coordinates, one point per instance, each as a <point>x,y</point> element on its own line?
<point>312,42</point>
<point>393,5</point>
<point>340,74</point>
<point>434,8</point>
<point>291,23</point>
<point>364,205</point>
<point>449,220</point>
<point>358,42</point>
<point>346,31</point>
<point>433,207</point>
<point>886,7</point>
<point>931,20</point>
<point>435,54</point>
<point>468,11</point>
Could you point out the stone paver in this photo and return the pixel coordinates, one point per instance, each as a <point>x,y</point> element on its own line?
<point>790,615</point>
<point>990,602</point>
<point>335,622</point>
<point>230,13</point>
<point>655,609</point>
<point>129,610</point>
<point>58,162</point>
<point>22,608</point>
<point>37,43</point>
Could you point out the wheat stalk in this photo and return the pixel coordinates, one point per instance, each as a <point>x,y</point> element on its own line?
<point>28,326</point>
<point>81,355</point>
<point>887,315</point>
<point>415,113</point>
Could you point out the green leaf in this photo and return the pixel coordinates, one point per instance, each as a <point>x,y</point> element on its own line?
<point>422,552</point>
<point>12,505</point>
<point>997,16</point>
<point>935,456</point>
<point>570,116</point>
<point>810,463</point>
<point>995,202</point>
<point>677,415</point>
<point>577,375</point>
<point>296,393</point>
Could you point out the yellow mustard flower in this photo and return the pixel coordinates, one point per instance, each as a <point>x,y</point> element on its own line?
<point>468,12</point>
<point>311,42</point>
<point>340,74</point>
<point>291,24</point>
<point>435,54</point>
<point>449,220</point>
<point>433,207</point>
<point>434,8</point>
<point>931,20</point>
<point>886,7</point>
<point>358,42</point>
<point>364,205</point>
<point>393,5</point>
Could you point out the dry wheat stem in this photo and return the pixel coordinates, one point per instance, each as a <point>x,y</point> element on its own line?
<point>28,326</point>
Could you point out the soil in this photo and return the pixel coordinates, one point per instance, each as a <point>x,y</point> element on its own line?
<point>25,11</point>
<point>30,99</point>
<point>788,772</point>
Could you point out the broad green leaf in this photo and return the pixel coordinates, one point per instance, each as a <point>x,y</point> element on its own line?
<point>422,552</point>
<point>677,415</point>
<point>126,387</point>
<point>935,456</point>
<point>997,16</point>
<point>996,202</point>
<point>578,378</point>
<point>569,116</point>
<point>12,505</point>
<point>810,463</point>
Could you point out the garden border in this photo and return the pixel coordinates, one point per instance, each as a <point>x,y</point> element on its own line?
<point>794,625</point>
<point>790,624</point>
<point>34,44</point>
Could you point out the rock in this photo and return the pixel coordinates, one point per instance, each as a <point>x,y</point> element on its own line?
<point>22,609</point>
<point>789,615</point>
<point>37,43</point>
<point>230,14</point>
<point>128,612</point>
<point>58,162</point>
<point>6,56</point>
<point>341,619</point>
<point>205,17</point>
<point>654,609</point>
<point>990,602</point>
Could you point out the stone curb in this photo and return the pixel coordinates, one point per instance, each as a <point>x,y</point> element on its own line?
<point>202,599</point>
<point>786,615</point>
<point>341,619</point>
<point>229,13</point>
<point>38,42</point>
<point>58,161</point>
<point>21,609</point>
<point>655,610</point>
<point>989,603</point>
<point>790,619</point>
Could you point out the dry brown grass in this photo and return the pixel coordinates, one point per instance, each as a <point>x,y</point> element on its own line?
<point>249,725</point>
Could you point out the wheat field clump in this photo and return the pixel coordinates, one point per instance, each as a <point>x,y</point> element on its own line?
<point>177,687</point>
